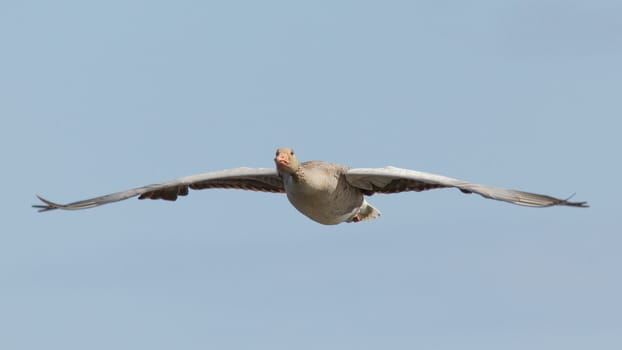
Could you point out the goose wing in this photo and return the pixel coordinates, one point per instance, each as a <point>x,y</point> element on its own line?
<point>393,180</point>
<point>254,179</point>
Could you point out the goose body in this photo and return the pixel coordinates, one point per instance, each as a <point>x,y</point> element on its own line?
<point>325,192</point>
<point>321,191</point>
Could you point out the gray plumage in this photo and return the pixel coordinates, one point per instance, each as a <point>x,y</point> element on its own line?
<point>325,192</point>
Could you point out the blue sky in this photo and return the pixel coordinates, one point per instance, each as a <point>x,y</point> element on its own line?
<point>101,97</point>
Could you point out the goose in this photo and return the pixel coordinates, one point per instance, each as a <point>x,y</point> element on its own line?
<point>325,192</point>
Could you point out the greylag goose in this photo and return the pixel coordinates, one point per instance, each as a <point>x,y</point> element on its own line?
<point>325,192</point>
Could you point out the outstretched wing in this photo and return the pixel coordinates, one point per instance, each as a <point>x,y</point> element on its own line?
<point>255,179</point>
<point>393,180</point>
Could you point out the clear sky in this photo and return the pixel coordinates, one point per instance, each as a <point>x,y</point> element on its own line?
<point>97,97</point>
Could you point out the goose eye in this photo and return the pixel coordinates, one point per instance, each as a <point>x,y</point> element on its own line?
<point>291,153</point>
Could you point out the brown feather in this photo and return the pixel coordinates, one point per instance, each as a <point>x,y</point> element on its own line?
<point>402,185</point>
<point>266,184</point>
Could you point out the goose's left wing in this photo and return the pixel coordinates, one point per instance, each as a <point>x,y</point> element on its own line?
<point>255,179</point>
<point>393,180</point>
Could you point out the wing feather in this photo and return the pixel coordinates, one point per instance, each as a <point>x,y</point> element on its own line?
<point>255,179</point>
<point>393,180</point>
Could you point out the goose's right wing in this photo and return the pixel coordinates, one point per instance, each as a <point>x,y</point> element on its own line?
<point>255,179</point>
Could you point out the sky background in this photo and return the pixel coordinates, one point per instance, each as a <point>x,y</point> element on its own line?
<point>97,97</point>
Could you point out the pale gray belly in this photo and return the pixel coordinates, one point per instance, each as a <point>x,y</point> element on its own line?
<point>328,206</point>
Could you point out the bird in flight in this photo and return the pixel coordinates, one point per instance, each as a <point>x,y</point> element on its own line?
<point>325,192</point>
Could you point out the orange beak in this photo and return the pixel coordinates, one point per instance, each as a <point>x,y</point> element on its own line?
<point>282,159</point>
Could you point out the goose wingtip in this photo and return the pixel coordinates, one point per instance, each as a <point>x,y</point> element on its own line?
<point>46,206</point>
